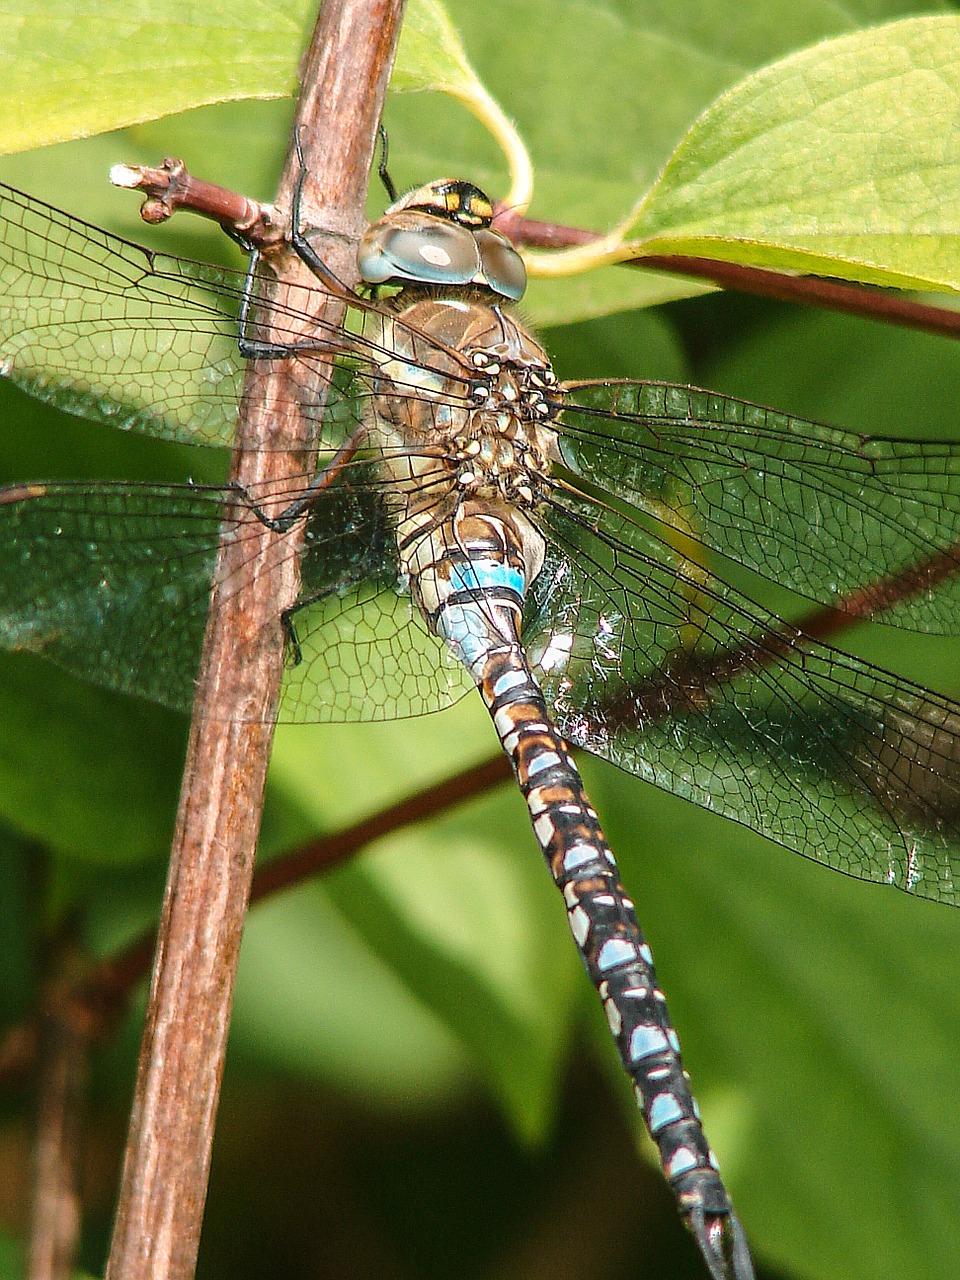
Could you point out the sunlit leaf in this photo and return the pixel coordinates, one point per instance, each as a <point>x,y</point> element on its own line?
<point>837,160</point>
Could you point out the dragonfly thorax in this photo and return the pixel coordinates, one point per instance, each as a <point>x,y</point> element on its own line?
<point>476,419</point>
<point>460,416</point>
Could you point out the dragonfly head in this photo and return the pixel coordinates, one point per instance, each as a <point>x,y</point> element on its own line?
<point>440,235</point>
<point>452,198</point>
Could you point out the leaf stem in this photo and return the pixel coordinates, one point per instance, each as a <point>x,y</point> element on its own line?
<point>887,305</point>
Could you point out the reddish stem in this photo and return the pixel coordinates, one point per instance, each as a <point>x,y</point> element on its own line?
<point>889,306</point>
<point>171,187</point>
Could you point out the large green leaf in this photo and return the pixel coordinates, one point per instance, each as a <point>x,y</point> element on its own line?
<point>603,94</point>
<point>839,160</point>
<point>145,60</point>
<point>149,60</point>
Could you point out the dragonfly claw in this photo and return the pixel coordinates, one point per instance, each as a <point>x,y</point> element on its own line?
<point>723,1243</point>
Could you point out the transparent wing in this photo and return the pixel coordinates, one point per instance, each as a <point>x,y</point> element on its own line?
<point>106,329</point>
<point>113,583</point>
<point>648,662</point>
<point>364,651</point>
<point>856,522</point>
<point>674,677</point>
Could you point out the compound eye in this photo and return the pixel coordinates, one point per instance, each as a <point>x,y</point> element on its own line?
<point>503,267</point>
<point>428,251</point>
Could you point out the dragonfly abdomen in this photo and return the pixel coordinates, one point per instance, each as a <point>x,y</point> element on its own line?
<point>608,936</point>
<point>478,609</point>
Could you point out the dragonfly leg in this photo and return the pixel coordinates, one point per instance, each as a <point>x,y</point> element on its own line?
<point>254,348</point>
<point>258,348</point>
<point>291,641</point>
<point>382,170</point>
<point>302,246</point>
<point>324,478</point>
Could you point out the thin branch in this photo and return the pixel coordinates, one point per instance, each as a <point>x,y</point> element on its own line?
<point>322,855</point>
<point>889,306</point>
<point>102,997</point>
<point>876,597</point>
<point>532,233</point>
<point>63,1048</point>
<point>157,1228</point>
<point>170,187</point>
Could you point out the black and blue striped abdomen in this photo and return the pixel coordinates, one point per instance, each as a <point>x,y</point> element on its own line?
<point>478,594</point>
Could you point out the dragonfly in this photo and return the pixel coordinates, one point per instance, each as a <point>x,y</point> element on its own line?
<point>565,547</point>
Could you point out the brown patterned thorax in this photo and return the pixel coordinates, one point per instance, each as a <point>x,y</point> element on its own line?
<point>477,427</point>
<point>460,416</point>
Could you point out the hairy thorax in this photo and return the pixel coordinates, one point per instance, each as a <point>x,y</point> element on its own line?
<point>461,418</point>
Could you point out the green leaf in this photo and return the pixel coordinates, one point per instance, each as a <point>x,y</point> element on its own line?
<point>306,985</point>
<point>145,59</point>
<point>594,152</point>
<point>601,95</point>
<point>88,774</point>
<point>839,160</point>
<point>468,925</point>
<point>151,59</point>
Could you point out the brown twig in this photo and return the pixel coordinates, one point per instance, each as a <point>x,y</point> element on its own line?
<point>533,234</point>
<point>170,187</point>
<point>157,1228</point>
<point>877,597</point>
<point>101,998</point>
<point>888,306</point>
<point>63,1043</point>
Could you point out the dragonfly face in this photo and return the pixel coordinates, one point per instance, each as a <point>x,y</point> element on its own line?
<point>580,525</point>
<point>440,234</point>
